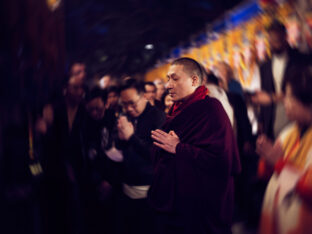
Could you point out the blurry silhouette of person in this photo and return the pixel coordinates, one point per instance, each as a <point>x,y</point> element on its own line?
<point>287,206</point>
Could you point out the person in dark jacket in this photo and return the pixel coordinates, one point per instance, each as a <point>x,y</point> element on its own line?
<point>273,72</point>
<point>134,128</point>
<point>65,160</point>
<point>101,179</point>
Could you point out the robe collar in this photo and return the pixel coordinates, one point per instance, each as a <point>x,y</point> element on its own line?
<point>199,94</point>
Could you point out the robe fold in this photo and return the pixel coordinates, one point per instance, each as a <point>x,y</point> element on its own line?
<point>194,188</point>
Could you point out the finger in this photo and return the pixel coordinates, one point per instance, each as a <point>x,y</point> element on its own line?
<point>160,145</point>
<point>155,133</point>
<point>122,119</point>
<point>159,139</point>
<point>161,132</point>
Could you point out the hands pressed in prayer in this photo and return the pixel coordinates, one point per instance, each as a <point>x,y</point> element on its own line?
<point>269,151</point>
<point>166,141</point>
<point>125,128</point>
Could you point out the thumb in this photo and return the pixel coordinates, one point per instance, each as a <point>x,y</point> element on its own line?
<point>172,133</point>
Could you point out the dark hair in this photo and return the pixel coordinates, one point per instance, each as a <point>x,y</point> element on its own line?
<point>190,66</point>
<point>134,84</point>
<point>300,80</point>
<point>164,96</point>
<point>96,93</point>
<point>277,26</point>
<point>113,89</point>
<point>211,78</point>
<point>151,84</point>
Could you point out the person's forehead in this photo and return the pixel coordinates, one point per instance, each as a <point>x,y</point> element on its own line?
<point>77,66</point>
<point>112,94</point>
<point>148,86</point>
<point>176,69</point>
<point>95,101</point>
<point>274,35</point>
<point>158,82</point>
<point>130,93</point>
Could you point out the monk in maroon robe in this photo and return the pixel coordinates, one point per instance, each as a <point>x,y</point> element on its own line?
<point>195,159</point>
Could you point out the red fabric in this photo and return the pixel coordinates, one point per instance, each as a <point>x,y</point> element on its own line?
<point>279,165</point>
<point>265,171</point>
<point>304,186</point>
<point>199,94</point>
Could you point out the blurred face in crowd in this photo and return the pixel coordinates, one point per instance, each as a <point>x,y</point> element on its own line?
<point>296,110</point>
<point>168,101</point>
<point>75,90</point>
<point>112,99</point>
<point>223,74</point>
<point>150,92</point>
<point>78,70</point>
<point>278,42</point>
<point>96,108</point>
<point>160,88</point>
<point>180,84</point>
<point>133,102</point>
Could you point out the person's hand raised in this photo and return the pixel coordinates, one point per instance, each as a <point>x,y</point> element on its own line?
<point>125,128</point>
<point>166,141</point>
<point>269,151</point>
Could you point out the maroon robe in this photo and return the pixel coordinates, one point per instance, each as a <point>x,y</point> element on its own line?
<point>193,190</point>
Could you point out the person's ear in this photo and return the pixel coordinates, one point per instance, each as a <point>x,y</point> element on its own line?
<point>195,80</point>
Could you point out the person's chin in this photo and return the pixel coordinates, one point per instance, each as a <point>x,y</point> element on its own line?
<point>173,96</point>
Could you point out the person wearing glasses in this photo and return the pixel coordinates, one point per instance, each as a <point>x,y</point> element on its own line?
<point>134,127</point>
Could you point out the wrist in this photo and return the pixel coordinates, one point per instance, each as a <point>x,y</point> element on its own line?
<point>128,137</point>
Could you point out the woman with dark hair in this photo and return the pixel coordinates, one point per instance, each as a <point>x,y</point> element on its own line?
<point>287,206</point>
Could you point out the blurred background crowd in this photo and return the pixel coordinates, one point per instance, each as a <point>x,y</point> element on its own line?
<point>68,163</point>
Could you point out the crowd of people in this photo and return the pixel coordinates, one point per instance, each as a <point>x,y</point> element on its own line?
<point>170,156</point>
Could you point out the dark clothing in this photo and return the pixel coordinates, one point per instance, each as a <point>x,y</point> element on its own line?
<point>193,189</point>
<point>22,197</point>
<point>160,105</point>
<point>98,203</point>
<point>65,171</point>
<point>97,138</point>
<point>134,215</point>
<point>242,123</point>
<point>137,165</point>
<point>267,113</point>
<point>243,182</point>
<point>235,87</point>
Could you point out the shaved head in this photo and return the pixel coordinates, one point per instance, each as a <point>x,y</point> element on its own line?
<point>190,66</point>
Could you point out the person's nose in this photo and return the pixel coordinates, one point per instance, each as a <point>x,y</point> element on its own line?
<point>168,85</point>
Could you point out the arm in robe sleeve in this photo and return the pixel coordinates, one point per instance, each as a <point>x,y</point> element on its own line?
<point>214,145</point>
<point>207,158</point>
